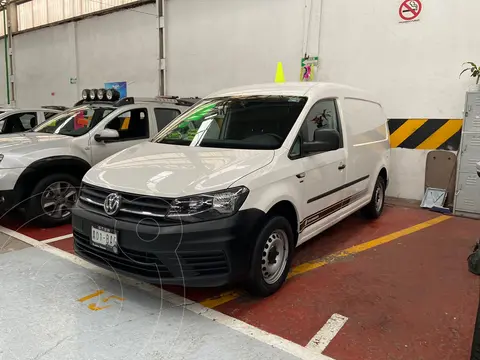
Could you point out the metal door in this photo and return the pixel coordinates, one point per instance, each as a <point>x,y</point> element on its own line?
<point>472,113</point>
<point>467,195</point>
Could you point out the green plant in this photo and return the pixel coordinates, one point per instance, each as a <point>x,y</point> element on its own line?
<point>474,70</point>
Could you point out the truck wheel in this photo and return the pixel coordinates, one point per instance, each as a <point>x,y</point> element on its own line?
<point>374,208</point>
<point>271,258</point>
<point>52,199</point>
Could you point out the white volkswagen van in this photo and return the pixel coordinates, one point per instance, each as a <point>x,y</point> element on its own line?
<point>227,190</point>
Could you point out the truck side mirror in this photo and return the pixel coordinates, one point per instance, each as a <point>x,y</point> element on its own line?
<point>323,140</point>
<point>107,135</point>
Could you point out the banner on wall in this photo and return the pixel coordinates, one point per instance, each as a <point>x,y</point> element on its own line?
<point>308,65</point>
<point>120,86</point>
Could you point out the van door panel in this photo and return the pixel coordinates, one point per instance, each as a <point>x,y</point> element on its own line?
<point>323,189</point>
<point>325,173</point>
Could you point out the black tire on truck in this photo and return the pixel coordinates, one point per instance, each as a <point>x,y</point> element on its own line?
<point>272,257</point>
<point>374,208</point>
<point>52,199</point>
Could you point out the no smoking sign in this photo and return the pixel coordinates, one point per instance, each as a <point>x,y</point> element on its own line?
<point>410,10</point>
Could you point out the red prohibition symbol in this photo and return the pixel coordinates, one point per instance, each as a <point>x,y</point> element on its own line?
<point>410,9</point>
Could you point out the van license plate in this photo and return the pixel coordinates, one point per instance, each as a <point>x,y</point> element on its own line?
<point>105,238</point>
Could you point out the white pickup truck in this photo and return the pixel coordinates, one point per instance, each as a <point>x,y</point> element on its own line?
<point>41,169</point>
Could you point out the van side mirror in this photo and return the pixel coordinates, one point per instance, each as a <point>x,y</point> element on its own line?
<point>323,140</point>
<point>107,135</point>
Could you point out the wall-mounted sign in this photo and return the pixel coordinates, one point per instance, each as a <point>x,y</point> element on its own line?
<point>308,67</point>
<point>410,10</point>
<point>120,86</point>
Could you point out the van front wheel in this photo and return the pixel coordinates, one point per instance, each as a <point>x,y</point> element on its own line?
<point>374,208</point>
<point>271,258</point>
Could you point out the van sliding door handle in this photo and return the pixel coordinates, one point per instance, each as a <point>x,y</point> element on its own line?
<point>301,175</point>
<point>342,166</point>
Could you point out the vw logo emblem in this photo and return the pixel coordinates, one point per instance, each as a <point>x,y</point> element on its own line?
<point>112,204</point>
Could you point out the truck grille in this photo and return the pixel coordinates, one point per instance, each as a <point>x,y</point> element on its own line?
<point>134,207</point>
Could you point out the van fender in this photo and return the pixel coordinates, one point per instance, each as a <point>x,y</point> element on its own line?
<point>266,197</point>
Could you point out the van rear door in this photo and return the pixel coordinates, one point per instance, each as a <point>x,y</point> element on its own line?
<point>367,137</point>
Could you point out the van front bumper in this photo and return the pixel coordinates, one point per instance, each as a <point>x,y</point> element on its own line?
<point>210,253</point>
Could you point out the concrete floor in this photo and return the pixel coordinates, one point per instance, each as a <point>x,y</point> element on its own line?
<point>401,282</point>
<point>8,244</point>
<point>48,311</point>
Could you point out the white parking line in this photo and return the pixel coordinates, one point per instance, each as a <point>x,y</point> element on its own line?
<point>63,237</point>
<point>290,347</point>
<point>325,335</point>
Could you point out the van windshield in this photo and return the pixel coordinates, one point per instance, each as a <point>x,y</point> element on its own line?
<point>247,122</point>
<point>74,122</point>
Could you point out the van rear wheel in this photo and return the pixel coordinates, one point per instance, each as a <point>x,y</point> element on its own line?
<point>374,208</point>
<point>271,258</point>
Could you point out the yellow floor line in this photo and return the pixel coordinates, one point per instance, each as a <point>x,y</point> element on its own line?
<point>220,299</point>
<point>301,269</point>
<point>91,296</point>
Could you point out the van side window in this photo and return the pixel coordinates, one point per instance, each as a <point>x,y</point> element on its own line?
<point>323,115</point>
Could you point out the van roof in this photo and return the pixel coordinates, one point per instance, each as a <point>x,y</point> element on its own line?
<point>294,89</point>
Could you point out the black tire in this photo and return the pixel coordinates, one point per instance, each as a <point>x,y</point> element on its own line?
<point>371,210</point>
<point>256,284</point>
<point>34,210</point>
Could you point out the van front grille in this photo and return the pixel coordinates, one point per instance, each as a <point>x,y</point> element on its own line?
<point>147,209</point>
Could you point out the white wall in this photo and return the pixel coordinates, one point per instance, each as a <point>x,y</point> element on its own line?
<point>407,173</point>
<point>120,47</point>
<point>43,68</point>
<point>213,44</point>
<point>413,67</point>
<point>116,47</point>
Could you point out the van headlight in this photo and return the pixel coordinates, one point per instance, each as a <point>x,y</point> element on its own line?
<point>208,206</point>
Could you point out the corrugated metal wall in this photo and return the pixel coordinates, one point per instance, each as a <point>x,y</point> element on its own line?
<point>41,12</point>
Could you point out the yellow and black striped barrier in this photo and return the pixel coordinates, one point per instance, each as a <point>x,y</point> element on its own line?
<point>425,134</point>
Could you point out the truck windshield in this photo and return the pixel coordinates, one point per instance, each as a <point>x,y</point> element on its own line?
<point>247,122</point>
<point>74,122</point>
